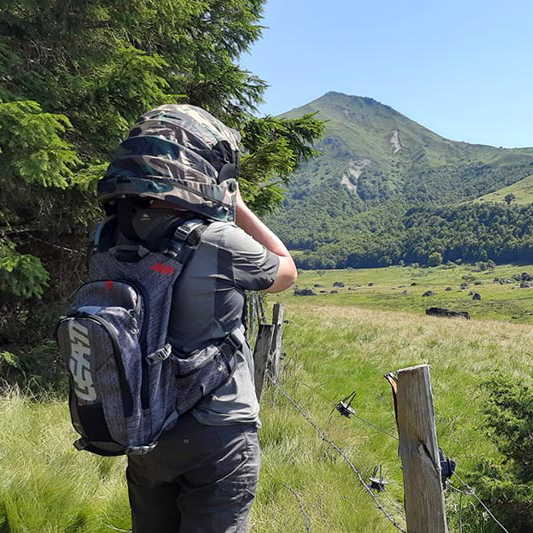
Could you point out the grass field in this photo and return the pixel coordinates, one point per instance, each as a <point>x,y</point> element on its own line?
<point>335,343</point>
<point>401,288</point>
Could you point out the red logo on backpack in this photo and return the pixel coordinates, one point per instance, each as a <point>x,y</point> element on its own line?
<point>163,269</point>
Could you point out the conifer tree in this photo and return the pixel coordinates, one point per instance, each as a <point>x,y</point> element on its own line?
<point>74,77</point>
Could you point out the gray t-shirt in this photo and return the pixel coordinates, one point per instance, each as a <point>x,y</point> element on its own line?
<point>209,303</point>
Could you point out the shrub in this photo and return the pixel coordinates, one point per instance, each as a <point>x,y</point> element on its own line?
<point>435,259</point>
<point>506,485</point>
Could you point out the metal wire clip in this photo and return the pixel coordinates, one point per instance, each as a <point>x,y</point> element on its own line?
<point>378,483</point>
<point>344,406</point>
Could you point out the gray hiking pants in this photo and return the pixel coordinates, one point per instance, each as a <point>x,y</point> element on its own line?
<point>199,479</point>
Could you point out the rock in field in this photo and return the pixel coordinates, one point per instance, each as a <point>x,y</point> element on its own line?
<point>304,292</point>
<point>438,311</point>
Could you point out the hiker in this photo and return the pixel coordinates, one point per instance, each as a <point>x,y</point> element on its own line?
<point>178,170</point>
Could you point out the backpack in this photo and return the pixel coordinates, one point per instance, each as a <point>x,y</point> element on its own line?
<point>127,383</point>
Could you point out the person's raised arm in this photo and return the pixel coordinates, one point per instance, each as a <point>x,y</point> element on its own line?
<point>250,223</point>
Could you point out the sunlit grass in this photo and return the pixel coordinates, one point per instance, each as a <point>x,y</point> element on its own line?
<point>47,486</point>
<point>401,288</point>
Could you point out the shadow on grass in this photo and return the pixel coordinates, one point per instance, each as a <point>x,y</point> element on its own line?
<point>4,523</point>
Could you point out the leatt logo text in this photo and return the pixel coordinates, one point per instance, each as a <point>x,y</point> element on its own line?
<point>79,365</point>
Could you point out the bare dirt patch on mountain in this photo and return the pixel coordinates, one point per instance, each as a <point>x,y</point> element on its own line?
<point>353,172</point>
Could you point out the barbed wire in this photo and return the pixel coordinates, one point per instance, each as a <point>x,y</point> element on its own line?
<point>470,490</point>
<point>461,513</point>
<point>354,415</point>
<point>299,499</point>
<point>399,508</point>
<point>461,494</point>
<point>339,450</point>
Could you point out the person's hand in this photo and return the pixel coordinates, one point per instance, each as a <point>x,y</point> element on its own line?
<point>239,202</point>
<point>248,221</point>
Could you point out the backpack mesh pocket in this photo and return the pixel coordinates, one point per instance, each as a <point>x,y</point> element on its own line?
<point>199,374</point>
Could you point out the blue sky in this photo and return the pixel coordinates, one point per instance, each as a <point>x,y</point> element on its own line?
<point>464,69</point>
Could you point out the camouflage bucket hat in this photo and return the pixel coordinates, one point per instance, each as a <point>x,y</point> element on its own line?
<point>180,154</point>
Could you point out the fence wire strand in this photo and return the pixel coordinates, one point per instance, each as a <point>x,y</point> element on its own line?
<point>299,499</point>
<point>470,491</point>
<point>334,404</point>
<point>340,451</point>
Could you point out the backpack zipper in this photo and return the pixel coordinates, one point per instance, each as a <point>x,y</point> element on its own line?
<point>145,390</point>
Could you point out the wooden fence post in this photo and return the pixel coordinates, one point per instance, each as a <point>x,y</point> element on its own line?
<point>276,349</point>
<point>253,319</point>
<point>419,452</point>
<point>262,356</point>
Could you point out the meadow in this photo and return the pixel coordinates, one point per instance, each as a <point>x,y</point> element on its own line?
<point>402,288</point>
<point>335,343</point>
<point>522,191</point>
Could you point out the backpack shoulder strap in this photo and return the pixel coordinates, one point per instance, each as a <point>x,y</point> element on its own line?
<point>104,234</point>
<point>189,236</point>
<point>177,238</point>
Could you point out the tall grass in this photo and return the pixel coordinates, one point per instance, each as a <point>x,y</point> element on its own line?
<point>46,486</point>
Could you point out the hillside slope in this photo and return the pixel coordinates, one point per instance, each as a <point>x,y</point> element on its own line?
<point>375,165</point>
<point>521,190</point>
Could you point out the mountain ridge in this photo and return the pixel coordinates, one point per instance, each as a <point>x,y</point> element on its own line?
<point>297,110</point>
<point>377,164</point>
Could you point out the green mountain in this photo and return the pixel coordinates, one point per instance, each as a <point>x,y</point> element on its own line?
<point>376,169</point>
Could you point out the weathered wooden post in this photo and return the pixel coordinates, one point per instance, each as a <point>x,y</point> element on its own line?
<point>262,355</point>
<point>253,319</point>
<point>274,366</point>
<point>419,452</point>
<point>260,306</point>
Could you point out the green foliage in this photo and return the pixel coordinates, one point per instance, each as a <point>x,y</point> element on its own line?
<point>33,149</point>
<point>506,485</point>
<point>509,198</point>
<point>274,149</point>
<point>365,203</point>
<point>21,274</point>
<point>469,232</point>
<point>435,259</point>
<point>75,77</point>
<point>34,157</point>
<point>509,415</point>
